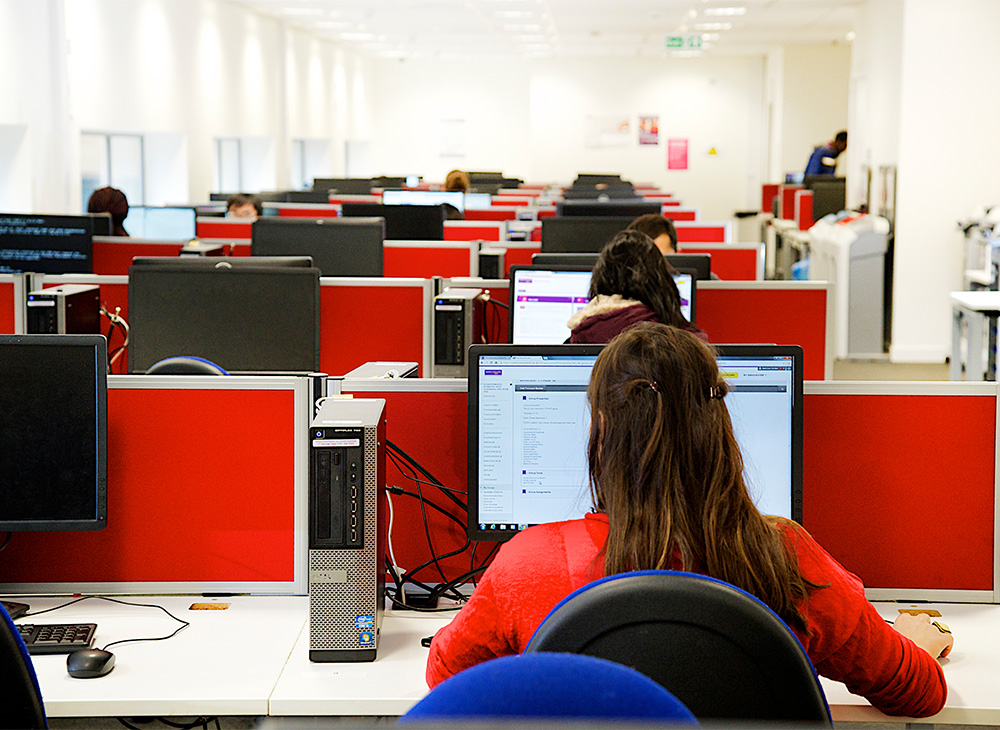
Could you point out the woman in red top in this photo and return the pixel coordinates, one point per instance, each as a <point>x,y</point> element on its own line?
<point>667,482</point>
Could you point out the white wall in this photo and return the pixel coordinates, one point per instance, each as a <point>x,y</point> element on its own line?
<point>948,155</point>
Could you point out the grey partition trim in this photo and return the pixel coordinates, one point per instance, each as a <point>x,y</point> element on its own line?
<point>404,385</point>
<point>57,279</point>
<point>300,581</point>
<point>954,389</point>
<point>476,282</point>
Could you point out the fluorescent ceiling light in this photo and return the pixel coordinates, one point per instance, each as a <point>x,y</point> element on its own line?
<point>714,26</point>
<point>725,11</point>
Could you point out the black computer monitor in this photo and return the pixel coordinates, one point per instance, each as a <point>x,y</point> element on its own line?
<point>308,196</point>
<point>53,432</point>
<point>621,208</point>
<point>248,317</point>
<point>599,193</point>
<point>337,246</point>
<point>829,194</point>
<point>529,426</point>
<point>102,223</point>
<point>46,244</point>
<point>161,223</point>
<point>579,234</point>
<point>403,222</point>
<point>543,298</point>
<point>344,185</point>
<point>699,263</point>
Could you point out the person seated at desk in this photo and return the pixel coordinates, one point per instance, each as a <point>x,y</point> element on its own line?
<point>658,401</point>
<point>631,282</point>
<point>456,181</point>
<point>242,205</point>
<point>113,201</point>
<point>658,227</point>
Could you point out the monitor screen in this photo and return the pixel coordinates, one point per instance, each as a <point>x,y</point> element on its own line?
<point>478,201</point>
<point>403,222</point>
<point>53,432</point>
<point>46,244</point>
<point>699,263</point>
<point>454,198</point>
<point>543,298</point>
<point>338,246</point>
<point>529,426</point>
<point>246,318</point>
<point>161,224</point>
<point>579,234</point>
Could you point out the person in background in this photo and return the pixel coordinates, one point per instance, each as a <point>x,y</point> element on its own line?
<point>242,205</point>
<point>668,492</point>
<point>660,228</point>
<point>823,160</point>
<point>113,201</point>
<point>631,283</point>
<point>457,180</point>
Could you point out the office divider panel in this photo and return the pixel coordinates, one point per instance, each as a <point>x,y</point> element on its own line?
<point>519,253</point>
<point>206,492</point>
<point>473,231</point>
<point>730,261</point>
<point>368,319</point>
<point>777,312</point>
<point>223,228</point>
<point>703,231</point>
<point>900,486</point>
<point>11,295</point>
<point>493,214</point>
<point>681,215</point>
<point>303,210</point>
<point>426,259</point>
<point>113,255</point>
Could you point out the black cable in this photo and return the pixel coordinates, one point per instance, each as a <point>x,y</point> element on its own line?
<point>495,303</point>
<point>439,508</point>
<point>6,540</point>
<point>416,465</point>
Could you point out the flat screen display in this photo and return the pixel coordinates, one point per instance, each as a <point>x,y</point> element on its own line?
<point>46,244</point>
<point>529,426</point>
<point>159,223</point>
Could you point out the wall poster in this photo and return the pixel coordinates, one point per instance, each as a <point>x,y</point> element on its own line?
<point>677,154</point>
<point>649,130</point>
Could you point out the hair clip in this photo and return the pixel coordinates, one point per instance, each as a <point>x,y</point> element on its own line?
<point>715,393</point>
<point>653,386</point>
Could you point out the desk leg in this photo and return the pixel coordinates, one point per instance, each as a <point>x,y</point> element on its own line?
<point>955,367</point>
<point>975,368</point>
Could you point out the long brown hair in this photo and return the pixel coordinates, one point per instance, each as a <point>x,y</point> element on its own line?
<point>666,468</point>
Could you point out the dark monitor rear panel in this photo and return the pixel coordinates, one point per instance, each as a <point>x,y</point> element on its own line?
<point>338,246</point>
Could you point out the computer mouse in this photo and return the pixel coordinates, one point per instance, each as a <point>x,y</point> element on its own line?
<point>89,663</point>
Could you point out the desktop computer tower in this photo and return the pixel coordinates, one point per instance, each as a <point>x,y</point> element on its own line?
<point>67,309</point>
<point>458,322</point>
<point>347,529</point>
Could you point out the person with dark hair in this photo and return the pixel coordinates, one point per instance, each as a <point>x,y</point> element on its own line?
<point>113,201</point>
<point>631,282</point>
<point>823,160</point>
<point>243,205</point>
<point>457,180</point>
<point>668,492</point>
<point>658,227</point>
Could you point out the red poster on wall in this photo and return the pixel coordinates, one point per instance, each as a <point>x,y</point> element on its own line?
<point>677,154</point>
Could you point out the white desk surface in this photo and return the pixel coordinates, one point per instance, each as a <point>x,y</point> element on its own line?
<point>976,301</point>
<point>253,659</point>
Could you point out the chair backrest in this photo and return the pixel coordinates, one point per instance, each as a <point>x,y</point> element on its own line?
<point>185,365</point>
<point>550,685</point>
<point>719,650</point>
<point>20,698</point>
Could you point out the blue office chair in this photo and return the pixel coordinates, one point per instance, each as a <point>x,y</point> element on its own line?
<point>185,365</point>
<point>20,698</point>
<point>719,650</point>
<point>550,685</point>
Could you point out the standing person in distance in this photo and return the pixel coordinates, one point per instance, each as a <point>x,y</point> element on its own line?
<point>823,160</point>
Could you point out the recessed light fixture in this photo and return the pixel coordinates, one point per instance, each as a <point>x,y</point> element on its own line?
<point>725,11</point>
<point>714,26</point>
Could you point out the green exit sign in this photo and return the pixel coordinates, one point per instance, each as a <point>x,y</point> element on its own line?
<point>689,40</point>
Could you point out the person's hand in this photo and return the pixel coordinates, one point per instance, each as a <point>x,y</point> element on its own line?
<point>924,634</point>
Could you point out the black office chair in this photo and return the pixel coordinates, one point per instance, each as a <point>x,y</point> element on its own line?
<point>718,649</point>
<point>185,365</point>
<point>20,698</point>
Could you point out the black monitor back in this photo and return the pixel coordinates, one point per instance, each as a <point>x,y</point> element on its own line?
<point>579,234</point>
<point>618,207</point>
<point>700,264</point>
<point>307,196</point>
<point>337,246</point>
<point>344,185</point>
<point>829,194</point>
<point>245,318</point>
<point>402,222</point>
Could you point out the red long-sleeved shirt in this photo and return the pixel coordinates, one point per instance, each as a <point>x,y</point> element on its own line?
<point>848,640</point>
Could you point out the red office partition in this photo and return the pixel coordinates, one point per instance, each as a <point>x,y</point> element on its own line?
<point>899,485</point>
<point>787,200</point>
<point>307,210</point>
<point>687,215</point>
<point>510,200</point>
<point>519,253</point>
<point>368,319</point>
<point>426,259</point>
<point>804,209</point>
<point>473,230</point>
<point>767,195</point>
<point>501,213</point>
<point>730,261</point>
<point>209,227</point>
<point>703,232</point>
<point>113,255</point>
<point>10,291</point>
<point>206,483</point>
<point>778,312</point>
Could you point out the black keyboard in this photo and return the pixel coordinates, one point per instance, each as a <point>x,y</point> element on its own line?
<point>56,638</point>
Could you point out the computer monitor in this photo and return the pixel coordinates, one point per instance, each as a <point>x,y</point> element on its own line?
<point>579,234</point>
<point>344,185</point>
<point>454,198</point>
<point>699,263</point>
<point>402,222</point>
<point>161,223</point>
<point>246,317</point>
<point>53,432</point>
<point>101,223</point>
<point>321,197</point>
<point>829,194</point>
<point>337,246</point>
<point>620,208</point>
<point>478,201</point>
<point>46,244</point>
<point>543,298</point>
<point>529,426</point>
